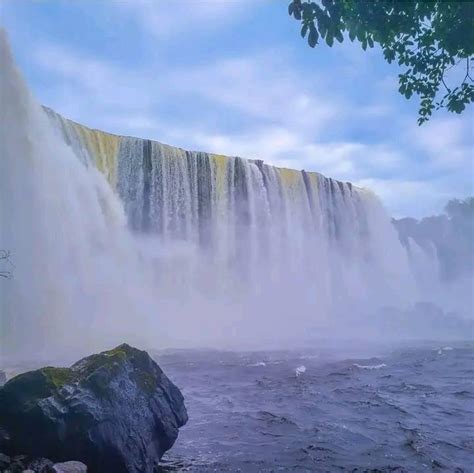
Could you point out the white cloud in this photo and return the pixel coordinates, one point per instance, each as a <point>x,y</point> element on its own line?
<point>259,89</point>
<point>261,86</point>
<point>101,81</point>
<point>415,198</point>
<point>161,18</point>
<point>284,148</point>
<point>447,141</point>
<point>98,93</point>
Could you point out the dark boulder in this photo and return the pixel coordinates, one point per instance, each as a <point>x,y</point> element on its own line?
<point>115,411</point>
<point>41,465</point>
<point>26,464</point>
<point>5,461</point>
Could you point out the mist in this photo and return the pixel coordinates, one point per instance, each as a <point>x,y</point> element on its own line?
<point>441,250</point>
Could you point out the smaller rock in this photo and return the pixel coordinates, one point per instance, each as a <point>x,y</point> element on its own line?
<point>41,465</point>
<point>15,468</point>
<point>70,467</point>
<point>4,461</point>
<point>18,464</point>
<point>4,439</point>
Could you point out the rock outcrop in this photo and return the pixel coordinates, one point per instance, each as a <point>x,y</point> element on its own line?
<point>26,464</point>
<point>70,467</point>
<point>115,411</point>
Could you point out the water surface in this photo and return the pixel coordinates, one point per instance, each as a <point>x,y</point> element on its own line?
<point>409,409</point>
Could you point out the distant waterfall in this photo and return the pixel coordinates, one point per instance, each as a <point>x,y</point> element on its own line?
<point>123,239</point>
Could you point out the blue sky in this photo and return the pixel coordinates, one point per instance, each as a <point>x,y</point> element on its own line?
<point>234,77</point>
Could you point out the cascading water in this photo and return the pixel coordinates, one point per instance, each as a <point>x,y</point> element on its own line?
<point>220,248</point>
<point>77,277</point>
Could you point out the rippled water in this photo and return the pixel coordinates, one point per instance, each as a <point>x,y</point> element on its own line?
<point>409,409</point>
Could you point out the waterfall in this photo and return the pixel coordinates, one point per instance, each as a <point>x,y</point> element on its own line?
<point>272,240</point>
<point>119,237</point>
<point>77,278</point>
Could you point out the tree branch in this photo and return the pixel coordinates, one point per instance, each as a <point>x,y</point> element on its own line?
<point>5,257</point>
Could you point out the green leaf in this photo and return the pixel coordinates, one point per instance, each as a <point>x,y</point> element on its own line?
<point>297,11</point>
<point>323,28</point>
<point>313,37</point>
<point>329,38</point>
<point>424,37</point>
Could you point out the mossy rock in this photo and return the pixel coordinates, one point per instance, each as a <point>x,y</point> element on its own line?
<point>113,411</point>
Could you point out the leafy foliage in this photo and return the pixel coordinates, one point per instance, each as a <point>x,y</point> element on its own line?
<point>460,210</point>
<point>427,38</point>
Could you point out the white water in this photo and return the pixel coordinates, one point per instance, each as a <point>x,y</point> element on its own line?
<point>300,370</point>
<point>370,367</point>
<point>224,251</point>
<point>77,280</point>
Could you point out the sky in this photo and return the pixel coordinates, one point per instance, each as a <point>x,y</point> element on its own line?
<point>235,77</point>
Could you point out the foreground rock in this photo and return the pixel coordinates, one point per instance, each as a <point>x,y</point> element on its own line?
<point>115,411</point>
<point>25,464</point>
<point>70,467</point>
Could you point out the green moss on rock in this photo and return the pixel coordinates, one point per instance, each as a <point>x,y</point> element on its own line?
<point>145,381</point>
<point>108,359</point>
<point>59,376</point>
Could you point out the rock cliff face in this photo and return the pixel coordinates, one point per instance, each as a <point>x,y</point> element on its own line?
<point>115,411</point>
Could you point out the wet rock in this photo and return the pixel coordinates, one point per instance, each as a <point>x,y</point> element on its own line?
<point>41,465</point>
<point>70,467</point>
<point>18,464</point>
<point>115,411</point>
<point>4,461</point>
